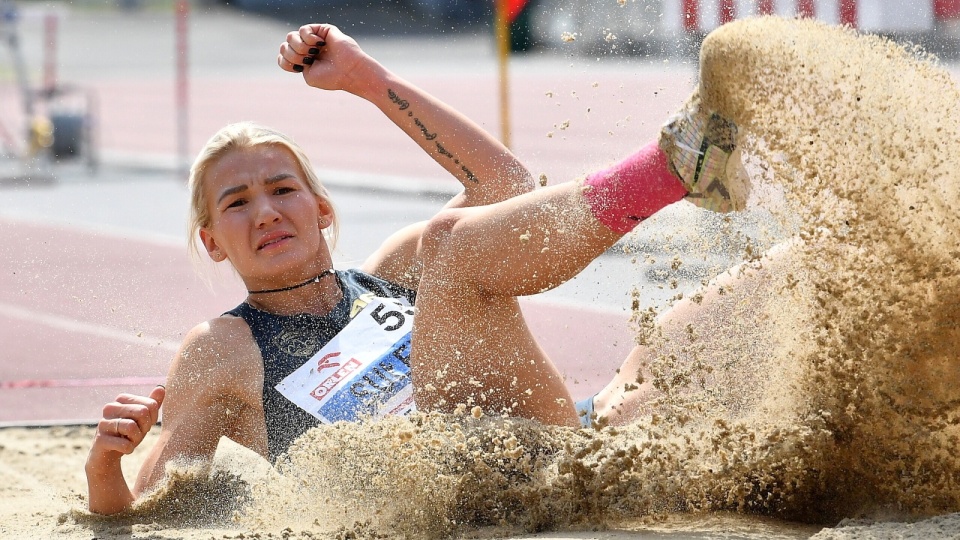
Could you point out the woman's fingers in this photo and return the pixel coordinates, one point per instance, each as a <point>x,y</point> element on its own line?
<point>142,410</point>
<point>302,47</point>
<point>313,35</point>
<point>285,64</point>
<point>119,435</point>
<point>133,415</point>
<point>292,61</point>
<point>157,394</point>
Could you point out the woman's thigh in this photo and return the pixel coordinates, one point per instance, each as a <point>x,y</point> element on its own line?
<point>728,341</point>
<point>472,346</point>
<point>478,351</point>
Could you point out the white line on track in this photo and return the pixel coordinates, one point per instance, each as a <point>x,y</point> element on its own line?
<point>80,327</point>
<point>94,229</point>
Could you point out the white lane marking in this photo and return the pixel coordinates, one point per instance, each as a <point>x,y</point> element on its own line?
<point>97,330</point>
<point>101,230</point>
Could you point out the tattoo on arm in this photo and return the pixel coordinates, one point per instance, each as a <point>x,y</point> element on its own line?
<point>404,105</point>
<point>443,151</point>
<point>396,99</point>
<point>423,129</point>
<point>470,175</point>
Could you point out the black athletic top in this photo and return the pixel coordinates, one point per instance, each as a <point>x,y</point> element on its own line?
<point>286,342</point>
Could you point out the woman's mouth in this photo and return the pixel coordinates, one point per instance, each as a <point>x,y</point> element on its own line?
<point>273,241</point>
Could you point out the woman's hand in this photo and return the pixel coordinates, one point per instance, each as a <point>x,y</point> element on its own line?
<point>328,58</point>
<point>126,422</point>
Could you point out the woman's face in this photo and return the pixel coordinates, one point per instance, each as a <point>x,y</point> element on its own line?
<point>263,217</point>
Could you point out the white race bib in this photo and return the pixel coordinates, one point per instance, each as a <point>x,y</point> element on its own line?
<point>364,371</point>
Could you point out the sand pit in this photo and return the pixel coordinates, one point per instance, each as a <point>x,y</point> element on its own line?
<point>852,362</point>
<point>42,497</point>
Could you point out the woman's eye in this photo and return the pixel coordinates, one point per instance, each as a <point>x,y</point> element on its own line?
<point>237,203</point>
<point>284,190</point>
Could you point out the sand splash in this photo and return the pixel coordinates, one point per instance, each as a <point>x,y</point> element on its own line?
<point>863,135</point>
<point>848,344</point>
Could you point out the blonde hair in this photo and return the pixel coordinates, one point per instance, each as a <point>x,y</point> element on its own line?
<point>243,136</point>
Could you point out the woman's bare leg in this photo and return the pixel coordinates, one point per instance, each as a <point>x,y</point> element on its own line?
<point>471,343</point>
<point>722,333</point>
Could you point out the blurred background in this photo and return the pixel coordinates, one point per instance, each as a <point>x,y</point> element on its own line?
<point>638,26</point>
<point>57,54</point>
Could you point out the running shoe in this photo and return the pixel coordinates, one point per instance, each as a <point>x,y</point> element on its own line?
<point>702,152</point>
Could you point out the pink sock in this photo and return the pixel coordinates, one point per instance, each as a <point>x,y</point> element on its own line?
<point>633,190</point>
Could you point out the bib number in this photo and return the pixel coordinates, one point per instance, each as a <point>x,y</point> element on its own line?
<point>364,371</point>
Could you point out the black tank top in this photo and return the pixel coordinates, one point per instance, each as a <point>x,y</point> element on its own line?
<point>287,341</point>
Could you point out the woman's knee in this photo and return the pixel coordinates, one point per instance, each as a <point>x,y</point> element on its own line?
<point>442,242</point>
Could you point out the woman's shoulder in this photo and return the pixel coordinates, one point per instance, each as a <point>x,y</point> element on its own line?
<point>215,381</point>
<point>226,330</point>
<point>223,345</point>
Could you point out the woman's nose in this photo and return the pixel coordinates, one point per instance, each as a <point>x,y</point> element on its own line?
<point>266,212</point>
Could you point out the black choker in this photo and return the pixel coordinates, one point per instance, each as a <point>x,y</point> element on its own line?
<point>297,286</point>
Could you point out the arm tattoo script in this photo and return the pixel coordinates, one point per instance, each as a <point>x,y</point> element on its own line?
<point>423,129</point>
<point>396,99</point>
<point>404,105</point>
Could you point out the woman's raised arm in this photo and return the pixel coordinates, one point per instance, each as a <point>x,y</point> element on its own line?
<point>331,60</point>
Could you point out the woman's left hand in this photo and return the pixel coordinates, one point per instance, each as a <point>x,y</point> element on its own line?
<point>328,58</point>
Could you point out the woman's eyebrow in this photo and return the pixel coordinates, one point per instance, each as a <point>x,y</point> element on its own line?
<point>237,189</point>
<point>277,177</point>
<point>230,191</point>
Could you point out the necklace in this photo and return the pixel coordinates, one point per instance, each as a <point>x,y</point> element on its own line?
<point>326,272</point>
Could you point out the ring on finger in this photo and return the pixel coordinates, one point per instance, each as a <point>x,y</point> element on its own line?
<point>116,426</point>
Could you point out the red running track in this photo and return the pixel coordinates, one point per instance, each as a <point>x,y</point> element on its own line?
<point>85,316</point>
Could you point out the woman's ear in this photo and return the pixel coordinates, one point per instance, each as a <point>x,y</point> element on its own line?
<point>213,250</point>
<point>327,213</point>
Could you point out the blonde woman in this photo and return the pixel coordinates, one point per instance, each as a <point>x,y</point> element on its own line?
<point>299,350</point>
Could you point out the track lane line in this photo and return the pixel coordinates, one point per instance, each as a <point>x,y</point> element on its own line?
<point>79,327</point>
<point>68,324</point>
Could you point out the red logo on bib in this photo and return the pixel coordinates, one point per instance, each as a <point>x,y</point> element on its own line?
<point>332,381</point>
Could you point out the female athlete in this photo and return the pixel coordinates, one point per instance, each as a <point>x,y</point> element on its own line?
<point>257,203</point>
